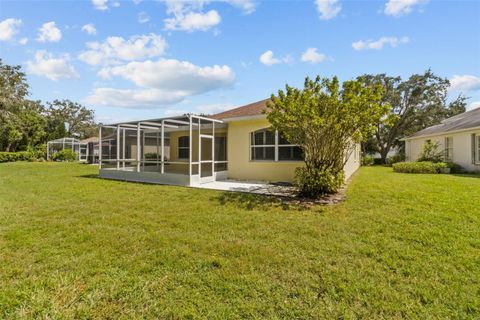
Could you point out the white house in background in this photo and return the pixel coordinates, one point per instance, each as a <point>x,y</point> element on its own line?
<point>458,136</point>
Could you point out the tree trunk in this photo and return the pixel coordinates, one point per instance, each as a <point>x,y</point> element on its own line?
<point>383,155</point>
<point>7,149</point>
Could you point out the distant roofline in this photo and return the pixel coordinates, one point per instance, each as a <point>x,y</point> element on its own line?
<point>440,133</point>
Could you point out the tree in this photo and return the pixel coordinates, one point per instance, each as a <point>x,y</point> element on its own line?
<point>13,91</point>
<point>417,103</point>
<point>326,121</point>
<point>80,119</point>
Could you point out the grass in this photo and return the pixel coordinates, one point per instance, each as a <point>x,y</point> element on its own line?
<point>75,246</point>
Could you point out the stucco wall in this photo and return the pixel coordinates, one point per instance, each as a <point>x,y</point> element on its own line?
<point>242,168</point>
<point>353,162</point>
<point>462,148</point>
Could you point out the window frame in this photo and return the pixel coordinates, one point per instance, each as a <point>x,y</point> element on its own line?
<point>448,148</point>
<point>477,148</point>
<point>276,146</point>
<point>183,148</point>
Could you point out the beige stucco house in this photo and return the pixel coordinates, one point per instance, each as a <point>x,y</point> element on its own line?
<point>191,149</point>
<point>458,137</point>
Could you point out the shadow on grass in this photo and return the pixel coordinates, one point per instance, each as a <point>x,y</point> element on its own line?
<point>251,201</point>
<point>90,176</point>
<point>466,175</point>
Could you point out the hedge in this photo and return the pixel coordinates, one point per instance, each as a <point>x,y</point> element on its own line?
<point>16,156</point>
<point>421,167</point>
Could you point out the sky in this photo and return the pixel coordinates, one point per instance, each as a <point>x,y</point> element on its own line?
<point>134,59</point>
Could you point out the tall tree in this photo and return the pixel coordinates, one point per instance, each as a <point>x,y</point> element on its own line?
<point>21,123</point>
<point>326,120</point>
<point>417,103</point>
<point>80,119</point>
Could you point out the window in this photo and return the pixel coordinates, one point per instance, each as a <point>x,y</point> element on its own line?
<point>268,145</point>
<point>262,144</point>
<point>448,148</point>
<point>477,139</point>
<point>183,147</point>
<point>220,148</point>
<point>287,151</point>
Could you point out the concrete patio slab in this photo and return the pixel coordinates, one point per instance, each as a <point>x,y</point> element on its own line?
<point>249,187</point>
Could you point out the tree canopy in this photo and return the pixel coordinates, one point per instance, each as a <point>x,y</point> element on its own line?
<point>326,119</point>
<point>416,103</point>
<point>26,123</point>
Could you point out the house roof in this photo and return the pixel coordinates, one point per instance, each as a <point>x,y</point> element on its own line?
<point>91,139</point>
<point>252,109</point>
<point>463,121</point>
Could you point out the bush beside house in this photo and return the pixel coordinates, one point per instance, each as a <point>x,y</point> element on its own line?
<point>16,156</point>
<point>65,155</point>
<point>421,167</point>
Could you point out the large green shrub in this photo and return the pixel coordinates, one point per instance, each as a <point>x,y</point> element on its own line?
<point>421,167</point>
<point>313,182</point>
<point>16,156</point>
<point>430,152</point>
<point>399,157</point>
<point>65,155</point>
<point>368,160</point>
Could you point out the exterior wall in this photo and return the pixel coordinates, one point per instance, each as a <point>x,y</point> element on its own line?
<point>242,168</point>
<point>353,162</point>
<point>462,148</point>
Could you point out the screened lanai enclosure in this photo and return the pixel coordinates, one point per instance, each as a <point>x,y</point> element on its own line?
<point>183,150</point>
<point>77,146</point>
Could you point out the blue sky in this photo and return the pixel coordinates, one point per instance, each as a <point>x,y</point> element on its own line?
<point>146,59</point>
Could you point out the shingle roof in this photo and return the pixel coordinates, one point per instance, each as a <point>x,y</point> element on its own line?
<point>91,139</point>
<point>466,120</point>
<point>252,109</point>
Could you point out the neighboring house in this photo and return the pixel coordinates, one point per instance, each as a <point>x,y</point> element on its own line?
<point>243,145</point>
<point>458,137</point>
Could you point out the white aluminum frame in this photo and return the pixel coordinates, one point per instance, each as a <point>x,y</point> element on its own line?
<point>138,173</point>
<point>73,142</point>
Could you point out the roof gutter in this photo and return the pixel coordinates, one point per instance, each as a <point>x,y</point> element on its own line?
<point>244,118</point>
<point>439,133</point>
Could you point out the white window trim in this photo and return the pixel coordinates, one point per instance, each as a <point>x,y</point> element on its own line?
<point>448,148</point>
<point>477,149</point>
<point>275,146</point>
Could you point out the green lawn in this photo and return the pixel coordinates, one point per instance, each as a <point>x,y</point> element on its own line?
<point>75,246</point>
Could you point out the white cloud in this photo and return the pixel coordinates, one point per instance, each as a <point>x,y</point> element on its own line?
<point>213,108</point>
<point>143,17</point>
<point>116,49</point>
<point>90,29</point>
<point>188,15</point>
<point>464,83</point>
<point>9,28</point>
<point>136,1</point>
<point>46,65</point>
<point>474,105</point>
<point>23,41</point>
<point>49,32</point>
<point>328,9</point>
<point>247,6</point>
<point>268,59</point>
<point>380,43</point>
<point>165,81</point>
<point>311,55</point>
<point>136,98</point>
<point>398,8</point>
<point>100,4</point>
<point>193,21</point>
<point>174,75</point>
